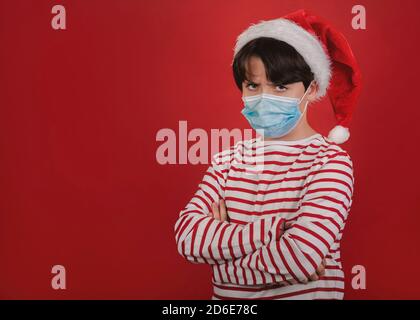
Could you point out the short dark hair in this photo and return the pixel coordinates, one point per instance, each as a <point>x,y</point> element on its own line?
<point>283,64</point>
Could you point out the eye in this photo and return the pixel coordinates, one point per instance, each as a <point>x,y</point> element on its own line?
<point>280,88</point>
<point>249,86</point>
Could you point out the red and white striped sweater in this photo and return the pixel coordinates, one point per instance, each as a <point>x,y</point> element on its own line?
<point>264,183</point>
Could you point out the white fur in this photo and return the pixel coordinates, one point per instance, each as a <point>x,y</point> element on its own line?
<point>339,134</point>
<point>308,45</point>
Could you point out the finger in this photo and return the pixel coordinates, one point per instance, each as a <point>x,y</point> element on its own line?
<point>281,231</point>
<point>324,265</point>
<point>320,270</point>
<point>216,213</point>
<point>314,277</point>
<point>223,211</point>
<point>288,225</point>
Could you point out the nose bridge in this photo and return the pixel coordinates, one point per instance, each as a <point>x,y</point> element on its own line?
<point>265,88</point>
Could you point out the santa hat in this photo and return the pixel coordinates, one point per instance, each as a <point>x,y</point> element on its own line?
<point>327,53</point>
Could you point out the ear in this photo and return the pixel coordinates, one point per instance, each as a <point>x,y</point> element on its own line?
<point>312,91</point>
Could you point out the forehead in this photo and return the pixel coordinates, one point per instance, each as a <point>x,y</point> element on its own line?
<point>255,70</point>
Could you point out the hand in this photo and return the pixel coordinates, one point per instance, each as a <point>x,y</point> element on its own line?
<point>219,211</point>
<point>286,225</point>
<point>320,271</point>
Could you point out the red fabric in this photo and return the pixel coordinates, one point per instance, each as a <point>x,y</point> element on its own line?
<point>346,80</point>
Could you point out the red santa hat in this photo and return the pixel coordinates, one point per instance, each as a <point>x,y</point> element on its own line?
<point>327,53</point>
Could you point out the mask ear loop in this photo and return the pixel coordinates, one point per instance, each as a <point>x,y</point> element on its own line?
<point>306,92</point>
<point>307,102</point>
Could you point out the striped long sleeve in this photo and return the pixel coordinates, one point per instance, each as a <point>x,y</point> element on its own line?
<point>320,219</point>
<point>200,238</point>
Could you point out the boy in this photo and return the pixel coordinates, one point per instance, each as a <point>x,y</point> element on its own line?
<point>273,232</point>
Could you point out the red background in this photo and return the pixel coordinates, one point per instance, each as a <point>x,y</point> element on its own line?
<point>80,109</point>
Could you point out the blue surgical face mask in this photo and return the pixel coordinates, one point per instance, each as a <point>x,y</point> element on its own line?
<point>272,115</point>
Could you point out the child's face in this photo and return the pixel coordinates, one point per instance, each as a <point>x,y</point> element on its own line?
<point>260,84</point>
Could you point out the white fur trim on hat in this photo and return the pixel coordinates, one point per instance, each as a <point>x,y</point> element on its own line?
<point>308,46</point>
<point>339,134</point>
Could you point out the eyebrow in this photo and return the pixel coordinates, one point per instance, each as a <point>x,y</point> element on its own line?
<point>269,83</point>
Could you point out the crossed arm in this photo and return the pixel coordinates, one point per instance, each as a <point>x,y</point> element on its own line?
<point>293,252</point>
<point>201,238</point>
<point>219,212</point>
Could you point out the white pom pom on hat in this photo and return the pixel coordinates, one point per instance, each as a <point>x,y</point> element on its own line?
<point>339,134</point>
<point>327,53</point>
